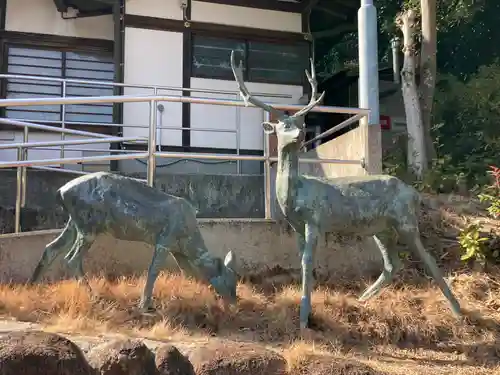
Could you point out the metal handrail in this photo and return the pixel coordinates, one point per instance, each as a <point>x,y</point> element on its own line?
<point>4,146</point>
<point>28,125</point>
<point>151,154</point>
<point>139,86</point>
<point>155,88</point>
<point>22,102</point>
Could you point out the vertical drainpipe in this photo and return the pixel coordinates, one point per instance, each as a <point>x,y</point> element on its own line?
<point>396,48</point>
<point>368,60</point>
<point>368,90</point>
<point>118,14</point>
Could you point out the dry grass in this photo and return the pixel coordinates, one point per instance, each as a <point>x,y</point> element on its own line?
<point>407,330</point>
<point>401,320</point>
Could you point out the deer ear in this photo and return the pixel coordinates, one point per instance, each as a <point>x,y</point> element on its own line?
<point>268,127</point>
<point>230,261</point>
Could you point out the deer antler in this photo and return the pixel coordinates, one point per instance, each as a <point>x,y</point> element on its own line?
<point>244,93</point>
<point>314,86</point>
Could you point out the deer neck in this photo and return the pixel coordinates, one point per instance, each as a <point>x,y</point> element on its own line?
<point>287,177</point>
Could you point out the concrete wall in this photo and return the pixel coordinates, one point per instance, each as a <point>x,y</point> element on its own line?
<point>349,146</point>
<point>215,196</point>
<point>263,249</point>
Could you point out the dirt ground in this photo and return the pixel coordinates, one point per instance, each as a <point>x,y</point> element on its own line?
<point>408,329</point>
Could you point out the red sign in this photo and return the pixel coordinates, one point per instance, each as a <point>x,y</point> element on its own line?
<point>385,122</point>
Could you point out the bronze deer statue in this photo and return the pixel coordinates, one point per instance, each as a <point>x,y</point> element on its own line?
<point>366,205</point>
<point>130,210</point>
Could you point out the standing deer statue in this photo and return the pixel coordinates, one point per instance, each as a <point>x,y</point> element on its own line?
<point>130,210</point>
<point>365,206</point>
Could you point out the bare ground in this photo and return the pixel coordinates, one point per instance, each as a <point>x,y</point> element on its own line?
<point>408,329</point>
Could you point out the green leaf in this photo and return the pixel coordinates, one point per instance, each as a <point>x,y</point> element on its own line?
<point>469,254</point>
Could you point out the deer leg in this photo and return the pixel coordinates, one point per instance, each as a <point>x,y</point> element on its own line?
<point>310,241</point>
<point>392,264</point>
<point>412,240</point>
<point>301,242</point>
<point>74,259</point>
<point>54,249</point>
<point>159,257</point>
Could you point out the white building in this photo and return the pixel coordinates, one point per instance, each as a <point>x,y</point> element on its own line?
<point>163,43</point>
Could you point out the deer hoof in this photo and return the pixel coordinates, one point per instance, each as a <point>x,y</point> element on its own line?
<point>147,309</point>
<point>307,334</point>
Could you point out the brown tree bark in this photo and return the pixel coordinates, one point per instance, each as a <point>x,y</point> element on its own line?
<point>428,49</point>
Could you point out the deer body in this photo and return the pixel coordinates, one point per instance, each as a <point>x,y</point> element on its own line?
<point>130,210</point>
<point>318,199</point>
<point>362,206</point>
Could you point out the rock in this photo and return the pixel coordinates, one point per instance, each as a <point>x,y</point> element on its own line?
<point>224,357</point>
<point>334,366</point>
<point>122,357</point>
<point>170,361</point>
<point>40,353</point>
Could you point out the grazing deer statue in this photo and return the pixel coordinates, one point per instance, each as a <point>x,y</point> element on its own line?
<point>130,210</point>
<point>349,206</point>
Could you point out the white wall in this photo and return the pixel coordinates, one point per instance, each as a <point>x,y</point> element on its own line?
<point>37,154</point>
<point>42,17</point>
<point>211,116</point>
<point>153,57</point>
<point>245,16</point>
<point>155,8</point>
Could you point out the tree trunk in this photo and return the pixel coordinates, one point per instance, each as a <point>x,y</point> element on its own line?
<point>428,70</point>
<point>417,156</point>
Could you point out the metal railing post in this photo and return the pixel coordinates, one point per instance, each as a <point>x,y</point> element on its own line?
<point>63,120</point>
<point>161,109</point>
<point>19,192</point>
<point>267,173</point>
<point>24,169</point>
<point>238,139</point>
<point>152,142</point>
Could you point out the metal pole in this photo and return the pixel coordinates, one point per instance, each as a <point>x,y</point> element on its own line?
<point>70,142</point>
<point>182,155</point>
<point>336,128</point>
<point>161,109</point>
<point>128,85</point>
<point>23,102</point>
<point>152,143</point>
<point>63,120</point>
<point>368,60</point>
<point>267,173</point>
<point>81,159</point>
<point>238,140</point>
<point>19,192</point>
<point>24,170</point>
<point>395,46</point>
<point>46,127</point>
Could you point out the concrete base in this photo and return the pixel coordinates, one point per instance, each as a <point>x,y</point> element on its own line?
<point>263,249</point>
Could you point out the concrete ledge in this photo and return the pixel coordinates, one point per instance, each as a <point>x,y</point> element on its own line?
<point>264,249</point>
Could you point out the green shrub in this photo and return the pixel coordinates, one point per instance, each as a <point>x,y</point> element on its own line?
<point>477,245</point>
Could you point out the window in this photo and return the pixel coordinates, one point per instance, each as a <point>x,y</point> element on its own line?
<point>262,61</point>
<point>59,64</point>
<point>211,56</point>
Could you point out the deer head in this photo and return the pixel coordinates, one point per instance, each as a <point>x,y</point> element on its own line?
<point>288,128</point>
